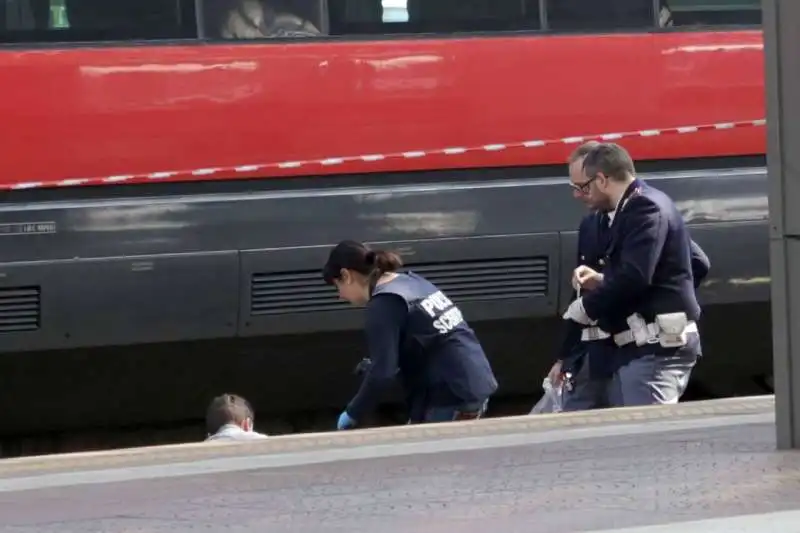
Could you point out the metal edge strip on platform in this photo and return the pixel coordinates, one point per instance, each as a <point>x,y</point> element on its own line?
<point>524,427</point>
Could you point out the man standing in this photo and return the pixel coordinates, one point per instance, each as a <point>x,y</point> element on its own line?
<point>644,301</point>
<point>584,364</point>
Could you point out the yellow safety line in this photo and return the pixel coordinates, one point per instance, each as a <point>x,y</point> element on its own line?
<point>379,436</point>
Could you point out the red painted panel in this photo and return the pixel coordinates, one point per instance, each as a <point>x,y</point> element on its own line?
<point>79,113</point>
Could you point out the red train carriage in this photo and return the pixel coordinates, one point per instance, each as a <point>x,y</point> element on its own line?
<point>173,171</point>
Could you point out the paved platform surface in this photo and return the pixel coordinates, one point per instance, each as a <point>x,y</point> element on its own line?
<point>705,469</point>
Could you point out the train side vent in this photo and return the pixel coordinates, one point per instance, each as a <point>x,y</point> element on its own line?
<point>20,309</point>
<point>488,279</point>
<point>291,292</point>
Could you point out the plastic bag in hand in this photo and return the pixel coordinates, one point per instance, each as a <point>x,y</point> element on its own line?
<point>552,401</point>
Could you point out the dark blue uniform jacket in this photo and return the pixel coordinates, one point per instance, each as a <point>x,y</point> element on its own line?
<point>593,241</point>
<point>648,266</point>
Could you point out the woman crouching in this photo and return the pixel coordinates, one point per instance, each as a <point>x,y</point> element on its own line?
<point>414,332</point>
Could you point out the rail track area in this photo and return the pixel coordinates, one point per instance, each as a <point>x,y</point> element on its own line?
<point>696,467</point>
<point>90,400</point>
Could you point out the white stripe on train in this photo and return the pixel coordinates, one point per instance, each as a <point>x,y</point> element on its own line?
<point>413,154</point>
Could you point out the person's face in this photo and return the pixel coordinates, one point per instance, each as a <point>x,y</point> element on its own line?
<point>591,190</point>
<point>352,287</point>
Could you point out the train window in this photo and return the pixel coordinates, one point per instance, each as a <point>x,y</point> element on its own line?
<point>48,21</point>
<point>264,19</point>
<point>711,12</point>
<point>600,15</point>
<point>375,17</point>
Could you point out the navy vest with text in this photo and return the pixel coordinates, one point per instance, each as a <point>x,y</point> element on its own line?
<point>442,362</point>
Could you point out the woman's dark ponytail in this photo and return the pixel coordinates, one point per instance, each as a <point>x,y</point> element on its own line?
<point>381,262</point>
<point>355,256</point>
<point>385,261</point>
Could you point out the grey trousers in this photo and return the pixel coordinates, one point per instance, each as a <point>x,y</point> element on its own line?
<point>652,380</point>
<point>647,380</point>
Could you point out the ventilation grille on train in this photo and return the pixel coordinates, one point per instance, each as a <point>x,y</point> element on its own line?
<point>20,309</point>
<point>291,292</point>
<point>464,281</point>
<point>490,279</point>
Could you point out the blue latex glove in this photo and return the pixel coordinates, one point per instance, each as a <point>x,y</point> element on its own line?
<point>345,422</point>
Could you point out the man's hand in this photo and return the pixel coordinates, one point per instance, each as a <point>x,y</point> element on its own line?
<point>586,278</point>
<point>556,376</point>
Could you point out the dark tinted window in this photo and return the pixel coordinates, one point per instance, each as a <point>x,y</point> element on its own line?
<point>255,19</point>
<point>264,19</point>
<point>600,15</point>
<point>258,19</point>
<point>251,19</point>
<point>457,16</point>
<point>31,21</point>
<point>677,13</point>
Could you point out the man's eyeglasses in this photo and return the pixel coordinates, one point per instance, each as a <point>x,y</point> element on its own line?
<point>583,188</point>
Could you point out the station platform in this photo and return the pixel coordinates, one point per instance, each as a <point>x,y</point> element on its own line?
<point>702,467</point>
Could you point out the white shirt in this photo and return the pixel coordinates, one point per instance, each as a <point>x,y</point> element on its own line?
<point>611,214</point>
<point>234,432</point>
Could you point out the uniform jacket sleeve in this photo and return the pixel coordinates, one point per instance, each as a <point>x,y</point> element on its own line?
<point>571,338</point>
<point>701,264</point>
<point>386,317</point>
<point>639,242</point>
<point>571,331</point>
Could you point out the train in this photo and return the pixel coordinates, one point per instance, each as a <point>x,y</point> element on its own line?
<point>171,185</point>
